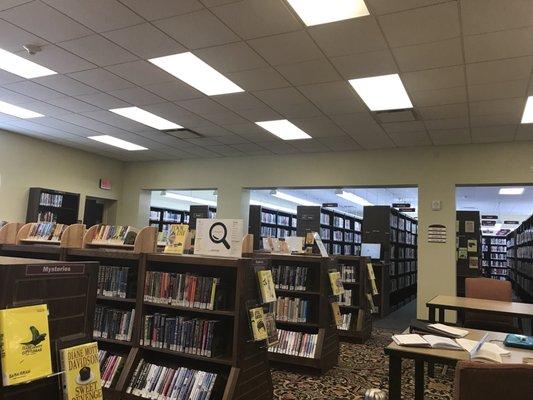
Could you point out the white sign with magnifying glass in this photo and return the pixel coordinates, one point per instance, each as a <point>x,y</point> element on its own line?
<point>219,237</point>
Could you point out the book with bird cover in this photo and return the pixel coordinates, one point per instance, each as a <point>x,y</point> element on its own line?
<point>259,329</point>
<point>25,344</point>
<point>81,377</point>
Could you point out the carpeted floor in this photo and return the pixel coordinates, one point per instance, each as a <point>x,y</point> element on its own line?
<point>360,367</point>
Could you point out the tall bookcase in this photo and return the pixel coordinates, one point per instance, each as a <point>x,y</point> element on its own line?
<point>398,235</point>
<point>341,233</point>
<point>264,222</point>
<point>468,228</point>
<point>520,256</point>
<point>161,217</point>
<point>494,257</point>
<point>48,205</point>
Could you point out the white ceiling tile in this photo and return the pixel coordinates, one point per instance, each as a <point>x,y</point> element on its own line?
<point>390,6</point>
<point>145,41</point>
<point>258,79</point>
<point>352,36</point>
<point>7,77</point>
<point>72,104</point>
<point>212,130</point>
<point>372,139</point>
<point>422,25</point>
<point>58,59</point>
<point>411,139</point>
<point>202,106</point>
<point>447,123</point>
<point>203,141</point>
<point>429,55</point>
<point>99,15</point>
<point>479,121</point>
<point>231,139</point>
<point>340,143</point>
<point>438,78</point>
<point>175,90</point>
<point>225,150</point>
<point>333,97</point>
<point>318,127</point>
<point>450,136</point>
<point>57,123</point>
<point>365,64</point>
<point>176,114</point>
<point>443,112</point>
<point>137,96</point>
<point>252,149</point>
<point>231,57</point>
<point>498,45</point>
<point>288,102</point>
<point>480,16</point>
<point>225,118</point>
<point>279,147</point>
<point>308,72</point>
<point>103,100</point>
<point>256,18</point>
<point>251,132</point>
<point>66,85</point>
<point>501,106</point>
<point>309,146</point>
<point>504,133</point>
<point>14,97</point>
<point>112,119</point>
<point>439,97</point>
<point>524,132</point>
<point>499,70</point>
<point>34,90</point>
<point>101,79</point>
<point>262,113</point>
<point>362,119</point>
<point>141,73</point>
<point>98,50</point>
<point>286,48</point>
<point>12,38</point>
<point>44,21</point>
<point>238,101</point>
<point>402,127</point>
<point>6,4</point>
<point>46,108</point>
<point>198,29</point>
<point>157,9</point>
<point>498,90</point>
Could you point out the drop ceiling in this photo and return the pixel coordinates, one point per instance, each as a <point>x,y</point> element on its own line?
<point>466,66</point>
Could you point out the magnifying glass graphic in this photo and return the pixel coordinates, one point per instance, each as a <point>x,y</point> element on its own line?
<point>218,234</point>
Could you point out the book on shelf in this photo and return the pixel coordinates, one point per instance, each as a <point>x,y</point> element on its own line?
<point>24,344</point>
<point>185,290</point>
<point>113,281</point>
<point>176,239</point>
<point>345,322</point>
<point>81,372</point>
<point>52,200</point>
<point>337,316</point>
<point>348,273</point>
<point>112,323</point>
<point>372,278</point>
<point>111,366</point>
<point>300,344</point>
<point>345,299</point>
<point>182,334</point>
<point>155,381</point>
<point>289,309</point>
<point>335,281</point>
<point>271,328</point>
<point>112,234</point>
<point>432,341</point>
<point>257,322</point>
<point>289,277</point>
<point>47,231</point>
<point>266,286</point>
<point>373,308</point>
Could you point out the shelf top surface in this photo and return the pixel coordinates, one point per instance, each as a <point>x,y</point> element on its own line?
<point>493,306</point>
<point>6,261</point>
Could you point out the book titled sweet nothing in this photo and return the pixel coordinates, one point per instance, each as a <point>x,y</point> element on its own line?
<point>81,367</point>
<point>25,344</point>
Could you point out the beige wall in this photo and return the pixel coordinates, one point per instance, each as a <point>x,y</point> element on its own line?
<point>435,171</point>
<point>27,162</point>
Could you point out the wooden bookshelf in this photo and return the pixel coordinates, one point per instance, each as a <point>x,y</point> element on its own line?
<point>265,222</point>
<point>360,327</point>
<point>398,235</point>
<point>520,256</point>
<point>494,257</point>
<point>320,321</point>
<point>8,233</point>
<point>145,241</point>
<point>63,212</point>
<point>464,269</point>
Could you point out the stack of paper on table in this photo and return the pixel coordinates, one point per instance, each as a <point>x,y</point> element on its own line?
<point>432,341</point>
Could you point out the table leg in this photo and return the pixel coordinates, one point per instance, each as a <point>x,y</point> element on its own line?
<point>431,366</point>
<point>441,315</point>
<point>419,380</point>
<point>395,378</point>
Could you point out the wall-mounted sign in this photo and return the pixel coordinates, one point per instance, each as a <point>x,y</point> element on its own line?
<point>489,217</point>
<point>488,222</point>
<point>436,233</point>
<point>105,184</point>
<point>511,222</point>
<point>407,209</point>
<point>330,205</point>
<point>401,205</point>
<point>219,237</point>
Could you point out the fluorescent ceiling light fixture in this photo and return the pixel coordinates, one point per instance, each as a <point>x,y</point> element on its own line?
<point>352,198</point>
<point>385,92</point>
<point>512,190</point>
<point>116,142</point>
<point>292,199</point>
<point>195,72</point>
<point>20,66</point>
<point>284,129</point>
<point>16,111</point>
<point>189,199</point>
<point>272,206</point>
<point>146,118</point>
<point>316,12</point>
<point>527,117</point>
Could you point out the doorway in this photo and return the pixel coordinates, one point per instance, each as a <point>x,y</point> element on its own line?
<point>98,211</point>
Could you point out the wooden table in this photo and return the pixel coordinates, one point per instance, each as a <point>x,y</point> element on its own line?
<point>421,355</point>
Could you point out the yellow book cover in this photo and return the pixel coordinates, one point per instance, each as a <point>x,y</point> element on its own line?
<point>25,344</point>
<point>336,283</point>
<point>266,284</point>
<point>81,377</point>
<point>259,329</point>
<point>176,239</point>
<point>337,317</point>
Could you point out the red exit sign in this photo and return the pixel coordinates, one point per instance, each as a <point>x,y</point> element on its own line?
<point>105,184</point>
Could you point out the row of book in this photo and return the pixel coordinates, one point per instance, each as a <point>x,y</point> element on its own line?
<point>110,367</point>
<point>111,323</point>
<point>290,277</point>
<point>525,236</point>
<point>184,290</point>
<point>524,252</point>
<point>119,234</point>
<point>46,216</point>
<point>299,344</point>
<point>346,321</point>
<point>290,309</point>
<point>53,200</point>
<point>496,249</point>
<point>153,381</point>
<point>348,273</point>
<point>113,281</point>
<point>193,336</point>
<point>345,299</point>
<point>47,231</point>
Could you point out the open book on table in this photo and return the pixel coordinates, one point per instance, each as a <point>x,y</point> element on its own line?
<point>432,341</point>
<point>488,352</point>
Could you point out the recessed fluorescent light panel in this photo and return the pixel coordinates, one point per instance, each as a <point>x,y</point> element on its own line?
<point>193,71</point>
<point>284,129</point>
<point>316,12</point>
<point>527,117</point>
<point>512,190</point>
<point>20,66</point>
<point>146,118</point>
<point>116,142</point>
<point>16,111</point>
<point>385,92</point>
<point>292,199</point>
<point>272,206</point>
<point>351,197</point>
<point>189,199</point>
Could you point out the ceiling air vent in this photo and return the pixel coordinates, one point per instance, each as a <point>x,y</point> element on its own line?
<point>183,133</point>
<point>396,115</point>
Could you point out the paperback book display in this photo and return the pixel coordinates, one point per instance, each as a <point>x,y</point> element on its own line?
<point>113,281</point>
<point>290,309</point>
<point>115,234</point>
<point>176,239</point>
<point>152,381</point>
<point>337,287</point>
<point>81,377</point>
<point>266,286</point>
<point>46,231</point>
<point>289,277</point>
<point>111,323</point>
<point>110,367</point>
<point>184,290</point>
<point>192,336</point>
<point>299,344</point>
<point>257,320</point>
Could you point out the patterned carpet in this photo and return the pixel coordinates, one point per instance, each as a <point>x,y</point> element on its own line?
<point>360,367</point>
